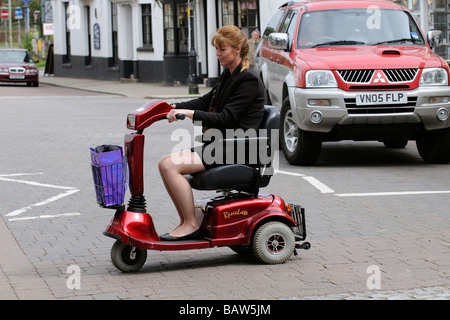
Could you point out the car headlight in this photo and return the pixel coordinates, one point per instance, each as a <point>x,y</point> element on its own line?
<point>320,79</point>
<point>434,77</point>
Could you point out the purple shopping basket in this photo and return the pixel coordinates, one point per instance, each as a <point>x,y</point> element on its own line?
<point>110,173</point>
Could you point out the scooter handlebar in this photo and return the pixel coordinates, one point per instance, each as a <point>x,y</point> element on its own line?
<point>179,116</point>
<point>150,112</point>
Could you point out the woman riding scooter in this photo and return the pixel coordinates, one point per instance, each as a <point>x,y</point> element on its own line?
<point>236,102</point>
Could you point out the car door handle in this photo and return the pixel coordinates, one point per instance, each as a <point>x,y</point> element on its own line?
<point>278,61</point>
<point>271,59</point>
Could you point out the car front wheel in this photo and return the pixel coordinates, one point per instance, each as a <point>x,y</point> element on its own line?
<point>434,146</point>
<point>299,147</point>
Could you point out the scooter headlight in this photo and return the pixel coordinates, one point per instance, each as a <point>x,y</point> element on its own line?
<point>131,121</point>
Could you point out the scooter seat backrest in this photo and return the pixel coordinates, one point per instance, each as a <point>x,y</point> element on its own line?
<point>271,119</point>
<point>243,177</point>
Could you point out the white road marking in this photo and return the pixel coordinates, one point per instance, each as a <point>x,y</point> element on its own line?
<point>20,174</point>
<point>70,191</point>
<point>313,181</point>
<point>32,183</point>
<point>319,185</point>
<point>325,189</point>
<point>47,201</point>
<point>46,216</point>
<point>290,173</point>
<point>400,193</point>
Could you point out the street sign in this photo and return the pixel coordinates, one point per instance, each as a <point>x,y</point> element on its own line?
<point>18,13</point>
<point>47,29</point>
<point>36,15</point>
<point>5,14</point>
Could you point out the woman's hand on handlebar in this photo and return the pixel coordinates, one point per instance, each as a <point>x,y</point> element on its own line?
<point>179,114</point>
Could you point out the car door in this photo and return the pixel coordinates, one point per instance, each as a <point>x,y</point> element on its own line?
<point>281,58</point>
<point>267,67</point>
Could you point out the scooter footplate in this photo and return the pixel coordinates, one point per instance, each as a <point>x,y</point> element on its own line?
<point>170,245</point>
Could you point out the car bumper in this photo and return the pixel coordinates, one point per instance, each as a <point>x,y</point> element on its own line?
<point>342,109</point>
<point>14,78</point>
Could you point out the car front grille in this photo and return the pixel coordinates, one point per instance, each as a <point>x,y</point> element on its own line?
<point>17,70</point>
<point>364,76</point>
<point>400,75</point>
<point>356,76</point>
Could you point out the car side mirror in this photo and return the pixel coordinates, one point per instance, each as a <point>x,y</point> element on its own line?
<point>279,41</point>
<point>434,37</point>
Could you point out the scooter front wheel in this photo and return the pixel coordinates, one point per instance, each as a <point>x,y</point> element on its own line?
<point>127,258</point>
<point>274,242</point>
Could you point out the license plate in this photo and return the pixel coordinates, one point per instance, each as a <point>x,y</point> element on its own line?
<point>388,97</point>
<point>17,76</point>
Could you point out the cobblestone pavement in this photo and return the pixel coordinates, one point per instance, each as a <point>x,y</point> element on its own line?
<point>51,228</point>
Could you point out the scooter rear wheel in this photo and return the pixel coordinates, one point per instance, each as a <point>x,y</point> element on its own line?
<point>274,242</point>
<point>127,258</point>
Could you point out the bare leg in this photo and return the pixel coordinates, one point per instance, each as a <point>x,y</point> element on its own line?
<point>162,164</point>
<point>172,168</point>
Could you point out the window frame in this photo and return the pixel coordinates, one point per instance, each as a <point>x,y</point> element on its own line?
<point>176,28</point>
<point>147,28</point>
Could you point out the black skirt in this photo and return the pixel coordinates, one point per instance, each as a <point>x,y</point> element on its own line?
<point>213,156</point>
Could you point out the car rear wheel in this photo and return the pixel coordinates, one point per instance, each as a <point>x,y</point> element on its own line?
<point>299,147</point>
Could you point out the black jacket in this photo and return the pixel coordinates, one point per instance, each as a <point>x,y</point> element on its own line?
<point>239,102</point>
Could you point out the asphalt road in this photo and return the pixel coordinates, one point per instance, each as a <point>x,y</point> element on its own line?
<point>44,90</point>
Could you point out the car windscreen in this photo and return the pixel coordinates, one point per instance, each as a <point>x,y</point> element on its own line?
<point>369,26</point>
<point>14,56</point>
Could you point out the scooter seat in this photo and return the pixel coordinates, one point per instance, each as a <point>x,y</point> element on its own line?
<point>234,176</point>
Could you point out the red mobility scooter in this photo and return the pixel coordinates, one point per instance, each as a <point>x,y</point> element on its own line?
<point>239,217</point>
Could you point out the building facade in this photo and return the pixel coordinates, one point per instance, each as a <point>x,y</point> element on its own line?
<point>167,41</point>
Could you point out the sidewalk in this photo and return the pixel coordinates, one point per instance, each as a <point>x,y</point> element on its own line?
<point>19,279</point>
<point>131,90</point>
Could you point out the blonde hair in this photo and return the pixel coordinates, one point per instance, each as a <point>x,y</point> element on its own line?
<point>234,37</point>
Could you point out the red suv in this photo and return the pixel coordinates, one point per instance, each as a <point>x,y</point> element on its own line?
<point>355,70</point>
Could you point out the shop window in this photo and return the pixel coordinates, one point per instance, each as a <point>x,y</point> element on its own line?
<point>176,34</point>
<point>241,13</point>
<point>147,39</point>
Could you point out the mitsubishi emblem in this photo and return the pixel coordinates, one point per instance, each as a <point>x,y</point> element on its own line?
<point>379,78</point>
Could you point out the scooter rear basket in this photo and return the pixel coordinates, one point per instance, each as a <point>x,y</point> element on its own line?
<point>110,183</point>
